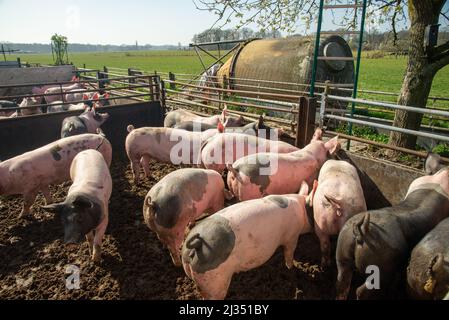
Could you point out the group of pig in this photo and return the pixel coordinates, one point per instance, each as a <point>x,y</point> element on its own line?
<point>281,192</point>
<point>49,99</point>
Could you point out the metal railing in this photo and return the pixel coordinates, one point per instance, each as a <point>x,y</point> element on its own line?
<point>122,89</point>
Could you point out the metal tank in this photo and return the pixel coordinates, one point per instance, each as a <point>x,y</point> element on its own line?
<point>287,60</point>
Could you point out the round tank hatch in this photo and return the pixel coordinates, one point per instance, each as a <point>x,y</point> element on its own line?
<point>334,49</point>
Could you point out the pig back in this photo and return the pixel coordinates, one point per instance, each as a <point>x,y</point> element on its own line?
<point>428,273</point>
<point>184,190</point>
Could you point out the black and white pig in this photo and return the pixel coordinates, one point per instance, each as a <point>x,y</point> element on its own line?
<point>428,269</point>
<point>85,212</point>
<point>87,122</point>
<point>384,238</point>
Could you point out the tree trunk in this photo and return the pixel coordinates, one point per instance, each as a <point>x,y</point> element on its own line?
<point>419,73</point>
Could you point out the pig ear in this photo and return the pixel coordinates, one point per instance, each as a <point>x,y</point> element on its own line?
<point>335,205</point>
<point>333,145</point>
<point>220,127</point>
<point>85,97</point>
<point>106,95</point>
<point>54,208</point>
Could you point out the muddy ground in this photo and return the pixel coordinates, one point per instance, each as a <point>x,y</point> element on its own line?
<point>135,265</point>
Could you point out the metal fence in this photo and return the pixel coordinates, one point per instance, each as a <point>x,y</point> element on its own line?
<point>288,107</point>
<point>121,90</point>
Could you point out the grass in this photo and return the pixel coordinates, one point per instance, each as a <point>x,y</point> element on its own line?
<point>384,74</point>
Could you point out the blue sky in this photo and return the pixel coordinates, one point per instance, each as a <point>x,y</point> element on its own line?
<point>104,22</point>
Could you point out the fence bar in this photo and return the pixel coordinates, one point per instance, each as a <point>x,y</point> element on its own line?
<point>382,145</point>
<point>390,105</point>
<point>235,103</point>
<point>390,128</point>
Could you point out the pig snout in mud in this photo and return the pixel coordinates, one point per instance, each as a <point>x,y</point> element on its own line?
<point>85,211</point>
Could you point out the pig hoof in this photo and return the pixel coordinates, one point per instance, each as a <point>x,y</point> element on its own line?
<point>96,256</point>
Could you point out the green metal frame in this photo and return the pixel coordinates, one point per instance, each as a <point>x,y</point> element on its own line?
<point>359,53</point>
<point>357,69</point>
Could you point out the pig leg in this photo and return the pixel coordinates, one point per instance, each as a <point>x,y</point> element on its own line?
<point>135,166</point>
<point>325,246</point>
<point>99,233</point>
<point>215,287</point>
<point>145,163</point>
<point>174,252</point>
<point>47,195</point>
<point>344,279</point>
<point>29,199</point>
<point>90,240</point>
<point>289,251</point>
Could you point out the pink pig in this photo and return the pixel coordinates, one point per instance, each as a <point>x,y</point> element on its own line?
<point>243,237</point>
<point>229,147</point>
<point>180,115</point>
<point>337,196</point>
<point>262,174</point>
<point>179,199</point>
<point>167,145</point>
<point>85,211</point>
<point>36,170</point>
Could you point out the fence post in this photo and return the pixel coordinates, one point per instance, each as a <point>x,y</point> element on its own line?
<point>323,103</point>
<point>172,77</point>
<point>150,81</point>
<point>130,74</point>
<point>306,121</point>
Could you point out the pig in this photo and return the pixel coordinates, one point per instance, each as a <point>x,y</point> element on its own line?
<point>227,148</point>
<point>34,171</point>
<point>59,106</point>
<point>26,103</point>
<point>87,122</point>
<point>337,196</point>
<point>41,90</point>
<point>261,174</point>
<point>162,144</point>
<point>243,237</point>
<point>428,269</point>
<point>253,128</point>
<point>179,199</point>
<point>76,95</point>
<point>180,115</point>
<point>53,94</point>
<point>85,211</point>
<point>385,237</point>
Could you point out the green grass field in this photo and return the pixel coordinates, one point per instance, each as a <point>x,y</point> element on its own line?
<point>384,74</point>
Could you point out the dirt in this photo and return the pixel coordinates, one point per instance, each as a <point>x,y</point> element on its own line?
<point>134,263</point>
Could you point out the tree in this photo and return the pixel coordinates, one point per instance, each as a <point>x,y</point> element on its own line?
<point>59,45</point>
<point>422,65</point>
